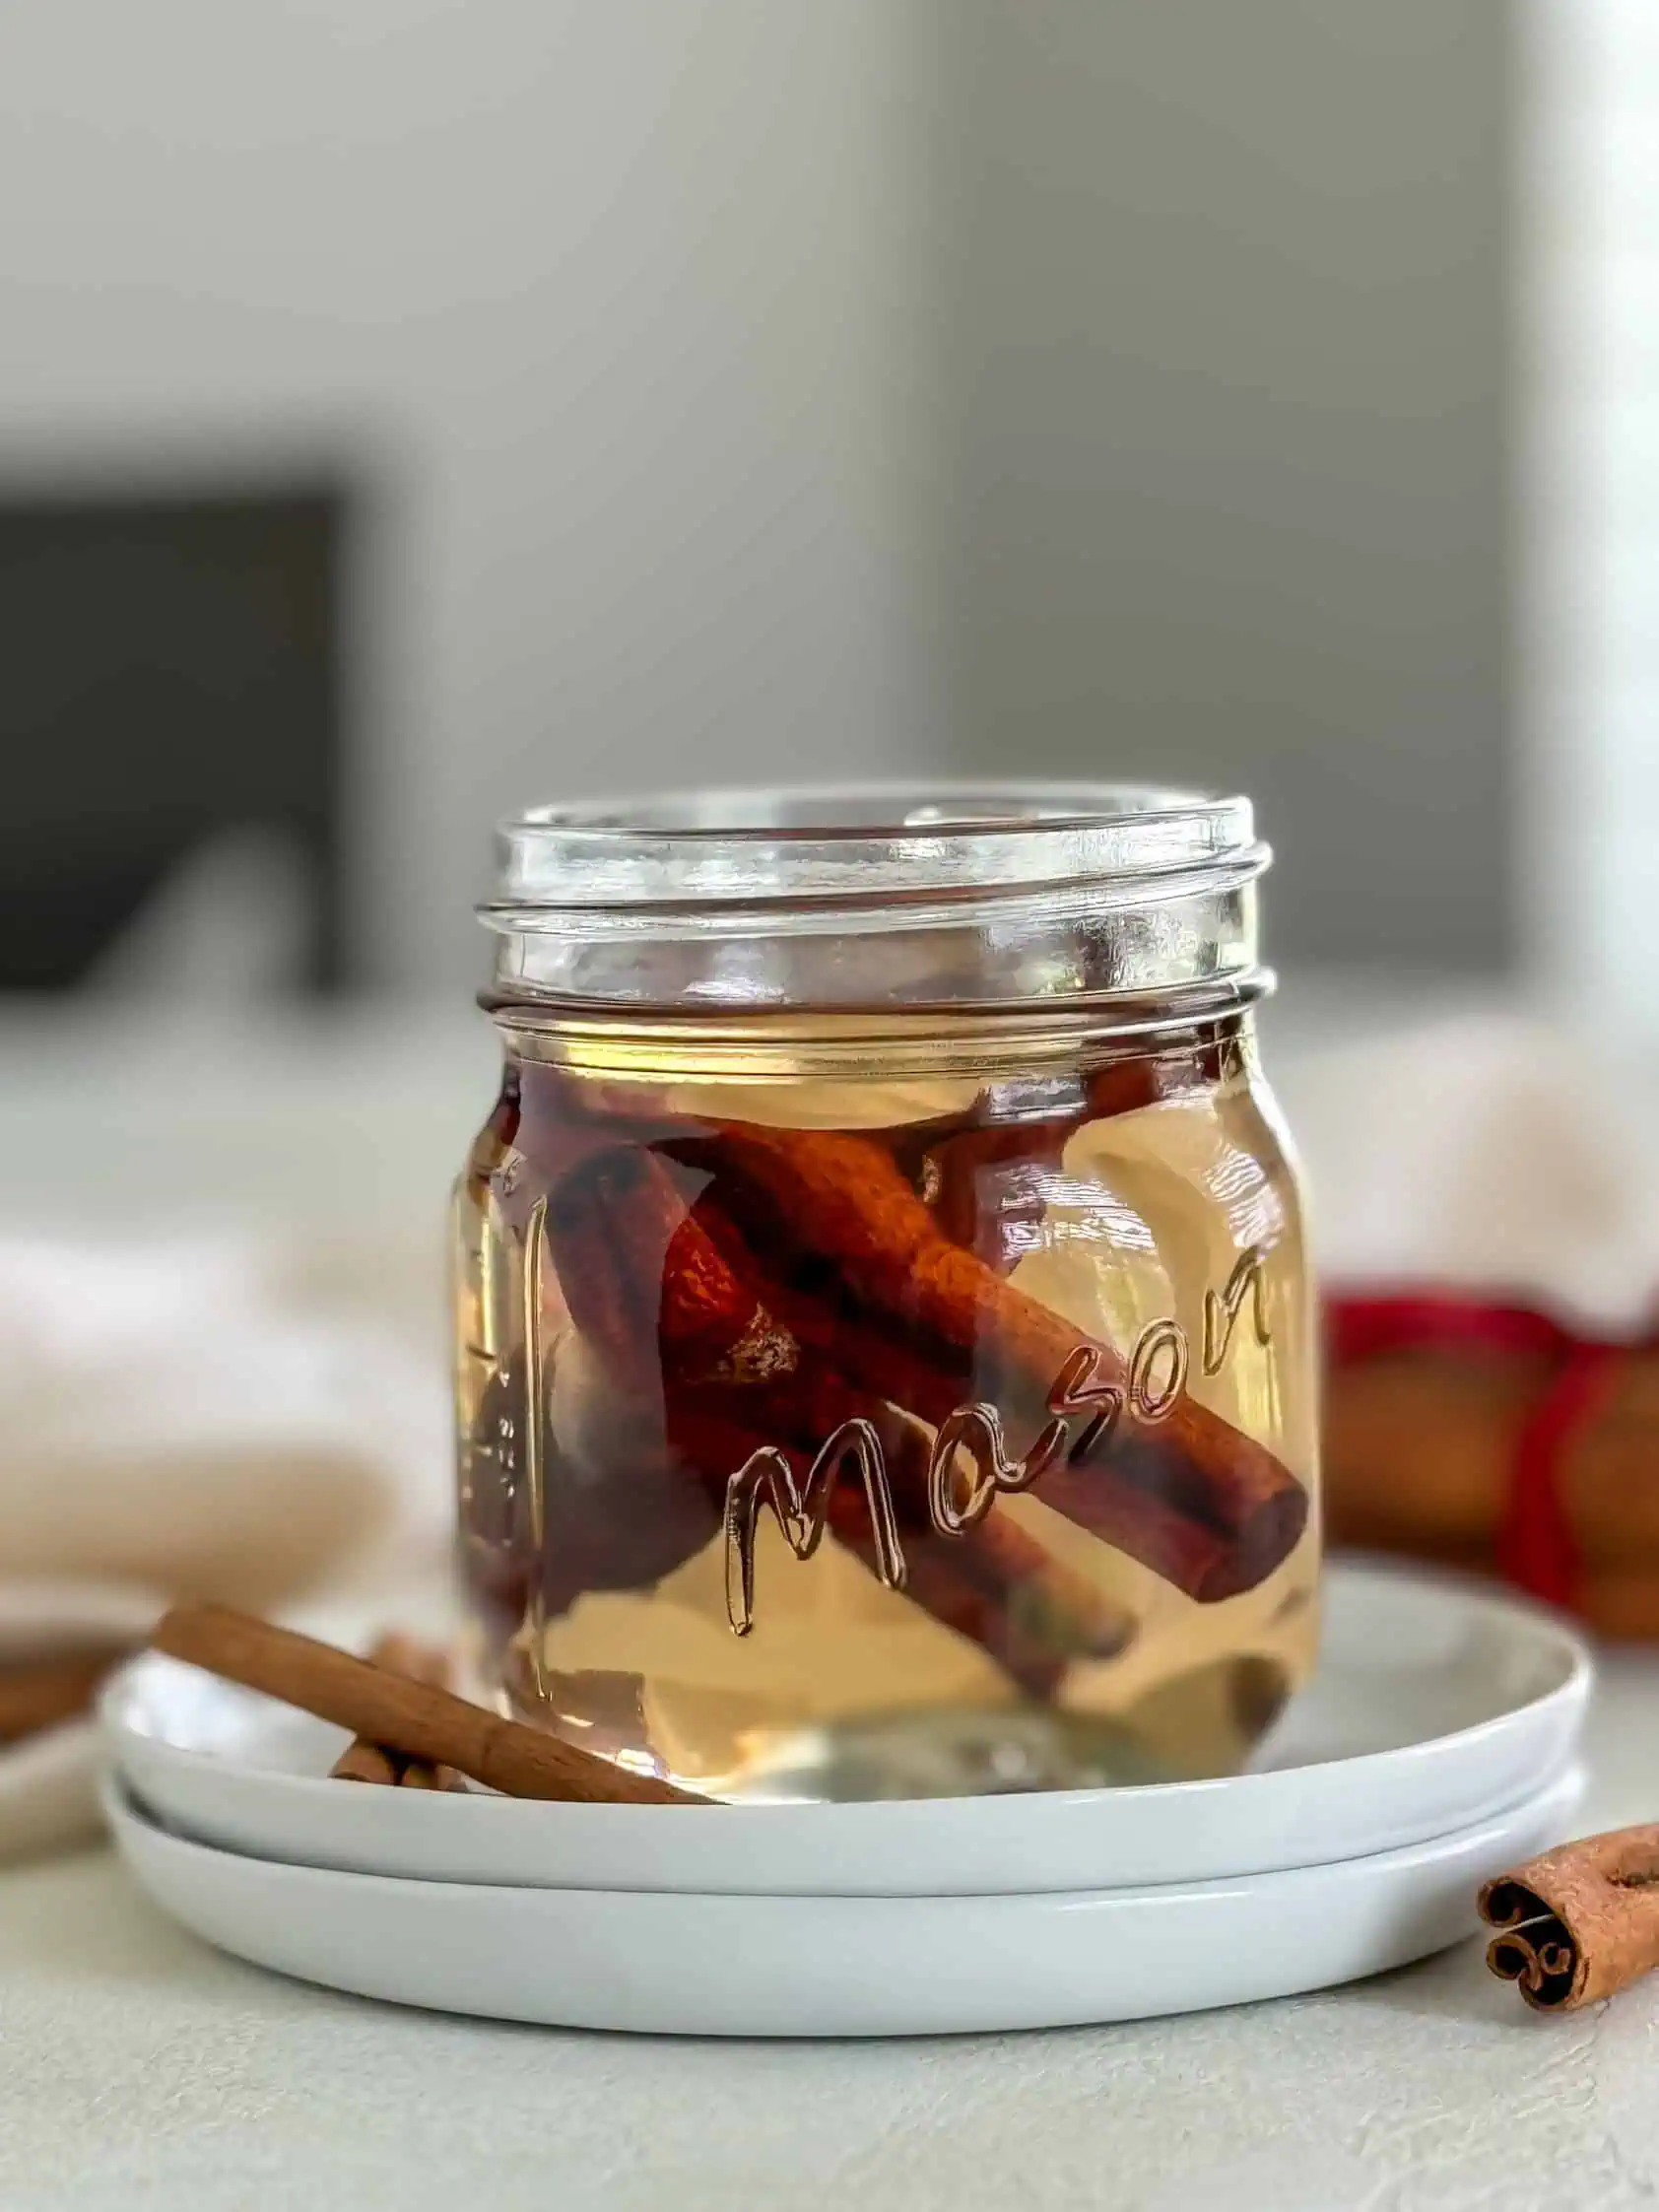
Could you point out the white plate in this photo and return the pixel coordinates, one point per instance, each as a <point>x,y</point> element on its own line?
<point>1435,1705</point>
<point>660,1963</point>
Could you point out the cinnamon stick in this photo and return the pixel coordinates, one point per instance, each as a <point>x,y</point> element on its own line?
<point>414,1719</point>
<point>1169,1069</point>
<point>657,1301</point>
<point>363,1760</point>
<point>370,1762</point>
<point>989,1189</point>
<point>996,1586</point>
<point>1421,1449</point>
<point>36,1694</point>
<point>422,1774</point>
<point>830,1240</point>
<point>647,1287</point>
<point>1622,1607</point>
<point>618,1515</point>
<point>1579,1923</point>
<point>926,1323</point>
<point>988,1179</point>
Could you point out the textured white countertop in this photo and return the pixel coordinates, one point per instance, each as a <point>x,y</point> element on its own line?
<point>139,2069</point>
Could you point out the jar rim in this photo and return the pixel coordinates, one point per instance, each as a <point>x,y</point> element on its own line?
<point>827,896</point>
<point>853,845</point>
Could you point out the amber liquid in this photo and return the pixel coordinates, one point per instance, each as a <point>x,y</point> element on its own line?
<point>677,1274</point>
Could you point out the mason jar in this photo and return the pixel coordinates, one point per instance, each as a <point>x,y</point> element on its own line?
<point>883,1351</point>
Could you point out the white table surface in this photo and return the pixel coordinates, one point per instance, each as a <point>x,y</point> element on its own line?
<point>139,2069</point>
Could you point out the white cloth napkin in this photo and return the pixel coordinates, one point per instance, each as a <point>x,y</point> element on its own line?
<point>1490,1152</point>
<point>194,1418</point>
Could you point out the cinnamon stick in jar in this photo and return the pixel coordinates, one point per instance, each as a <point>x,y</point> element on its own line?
<point>988,1177</point>
<point>996,1586</point>
<point>1579,1923</point>
<point>922,1320</point>
<point>659,1304</point>
<point>827,1237</point>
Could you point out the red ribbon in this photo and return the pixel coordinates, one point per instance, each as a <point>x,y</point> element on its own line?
<point>1535,1548</point>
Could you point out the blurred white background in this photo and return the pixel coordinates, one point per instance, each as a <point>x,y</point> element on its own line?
<point>724,390</point>
<point>619,318</point>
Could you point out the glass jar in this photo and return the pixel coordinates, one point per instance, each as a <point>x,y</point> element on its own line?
<point>885,1362</point>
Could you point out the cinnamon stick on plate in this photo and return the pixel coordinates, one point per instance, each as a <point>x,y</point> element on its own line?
<point>414,1719</point>
<point>1579,1923</point>
<point>365,1761</point>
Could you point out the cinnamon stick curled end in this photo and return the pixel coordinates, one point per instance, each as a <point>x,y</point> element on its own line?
<point>1579,1923</point>
<point>1535,1947</point>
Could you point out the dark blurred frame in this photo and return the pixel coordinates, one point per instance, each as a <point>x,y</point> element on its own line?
<point>170,668</point>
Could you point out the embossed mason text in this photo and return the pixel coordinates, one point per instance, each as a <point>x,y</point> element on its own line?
<point>969,1464</point>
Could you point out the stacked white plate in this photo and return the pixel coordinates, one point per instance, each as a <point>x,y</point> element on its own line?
<point>1436,1746</point>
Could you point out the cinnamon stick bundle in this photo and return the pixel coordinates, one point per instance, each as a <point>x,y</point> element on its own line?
<point>414,1719</point>
<point>1422,1451</point>
<point>1579,1923</point>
